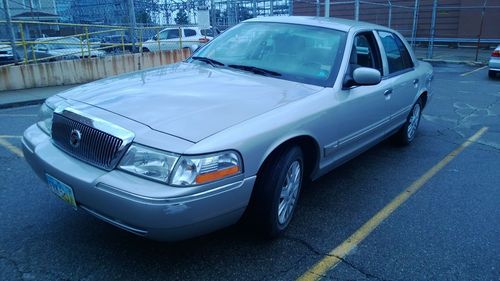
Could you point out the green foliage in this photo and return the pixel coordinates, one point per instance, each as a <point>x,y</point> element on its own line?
<point>143,17</point>
<point>181,17</point>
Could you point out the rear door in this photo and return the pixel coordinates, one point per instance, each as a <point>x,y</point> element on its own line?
<point>169,39</point>
<point>190,37</point>
<point>399,72</point>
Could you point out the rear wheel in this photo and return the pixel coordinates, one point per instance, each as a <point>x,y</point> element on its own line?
<point>407,133</point>
<point>277,191</point>
<point>492,74</point>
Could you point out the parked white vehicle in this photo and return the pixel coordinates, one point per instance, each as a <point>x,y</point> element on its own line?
<point>494,63</point>
<point>172,38</point>
<point>6,54</point>
<point>63,48</point>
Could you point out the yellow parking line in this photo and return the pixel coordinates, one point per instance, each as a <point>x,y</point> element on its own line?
<point>10,137</point>
<point>11,147</point>
<point>336,255</point>
<point>470,72</point>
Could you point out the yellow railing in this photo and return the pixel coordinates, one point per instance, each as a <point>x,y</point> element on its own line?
<point>87,48</point>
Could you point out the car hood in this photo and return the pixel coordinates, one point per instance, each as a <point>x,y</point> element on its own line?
<point>190,100</point>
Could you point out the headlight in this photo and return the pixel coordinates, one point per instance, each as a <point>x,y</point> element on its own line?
<point>194,170</point>
<point>148,162</point>
<point>45,118</point>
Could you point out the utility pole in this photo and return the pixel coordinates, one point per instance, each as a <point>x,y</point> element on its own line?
<point>430,49</point>
<point>356,10</point>
<point>133,23</point>
<point>10,29</point>
<point>480,29</point>
<point>415,23</point>
<point>213,17</point>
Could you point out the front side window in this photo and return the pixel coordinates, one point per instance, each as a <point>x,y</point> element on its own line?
<point>365,53</point>
<point>169,34</point>
<point>301,53</point>
<point>398,57</point>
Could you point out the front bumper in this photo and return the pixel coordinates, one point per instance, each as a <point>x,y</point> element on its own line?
<point>146,208</point>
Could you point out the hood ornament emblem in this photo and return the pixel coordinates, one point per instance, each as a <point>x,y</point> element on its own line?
<point>75,138</point>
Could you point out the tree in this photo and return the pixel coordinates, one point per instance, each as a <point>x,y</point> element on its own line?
<point>181,17</point>
<point>143,17</point>
<point>244,13</point>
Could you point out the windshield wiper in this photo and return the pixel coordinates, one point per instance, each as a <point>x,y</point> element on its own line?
<point>208,60</point>
<point>256,70</point>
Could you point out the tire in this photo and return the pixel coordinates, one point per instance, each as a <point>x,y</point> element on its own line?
<point>407,133</point>
<point>145,50</point>
<point>277,191</point>
<point>492,74</point>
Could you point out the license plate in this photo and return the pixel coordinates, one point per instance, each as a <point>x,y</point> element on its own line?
<point>62,190</point>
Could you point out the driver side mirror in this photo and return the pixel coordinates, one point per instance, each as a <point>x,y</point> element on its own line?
<point>363,76</point>
<point>366,76</point>
<point>155,38</point>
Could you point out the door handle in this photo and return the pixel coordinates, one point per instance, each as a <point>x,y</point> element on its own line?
<point>387,92</point>
<point>415,82</point>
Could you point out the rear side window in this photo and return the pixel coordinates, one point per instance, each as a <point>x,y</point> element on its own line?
<point>404,53</point>
<point>169,34</point>
<point>189,32</point>
<point>398,56</point>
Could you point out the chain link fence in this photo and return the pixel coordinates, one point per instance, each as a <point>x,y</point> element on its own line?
<point>459,30</point>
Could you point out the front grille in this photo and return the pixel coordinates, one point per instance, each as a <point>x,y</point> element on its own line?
<point>95,147</point>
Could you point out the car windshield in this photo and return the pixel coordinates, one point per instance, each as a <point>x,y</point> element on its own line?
<point>300,53</point>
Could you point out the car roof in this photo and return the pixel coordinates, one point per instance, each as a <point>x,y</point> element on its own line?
<point>333,23</point>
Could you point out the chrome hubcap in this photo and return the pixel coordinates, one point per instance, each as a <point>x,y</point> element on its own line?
<point>414,120</point>
<point>289,192</point>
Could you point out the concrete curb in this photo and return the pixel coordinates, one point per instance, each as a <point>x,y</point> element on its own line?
<point>440,61</point>
<point>21,103</point>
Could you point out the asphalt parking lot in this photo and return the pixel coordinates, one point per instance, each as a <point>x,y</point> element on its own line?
<point>448,229</point>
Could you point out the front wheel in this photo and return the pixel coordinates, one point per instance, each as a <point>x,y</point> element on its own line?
<point>277,191</point>
<point>407,133</point>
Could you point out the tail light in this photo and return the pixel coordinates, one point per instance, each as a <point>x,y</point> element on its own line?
<point>496,54</point>
<point>203,40</point>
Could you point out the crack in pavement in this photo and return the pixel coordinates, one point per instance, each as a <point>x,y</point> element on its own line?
<point>16,266</point>
<point>479,142</point>
<point>344,260</point>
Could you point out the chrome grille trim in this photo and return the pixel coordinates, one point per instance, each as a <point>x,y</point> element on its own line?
<point>102,143</point>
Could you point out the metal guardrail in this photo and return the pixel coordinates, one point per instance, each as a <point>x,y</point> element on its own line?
<point>87,49</point>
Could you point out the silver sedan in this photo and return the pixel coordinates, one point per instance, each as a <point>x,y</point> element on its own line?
<point>238,128</point>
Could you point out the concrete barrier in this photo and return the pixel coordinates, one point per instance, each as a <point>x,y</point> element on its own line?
<point>70,72</point>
